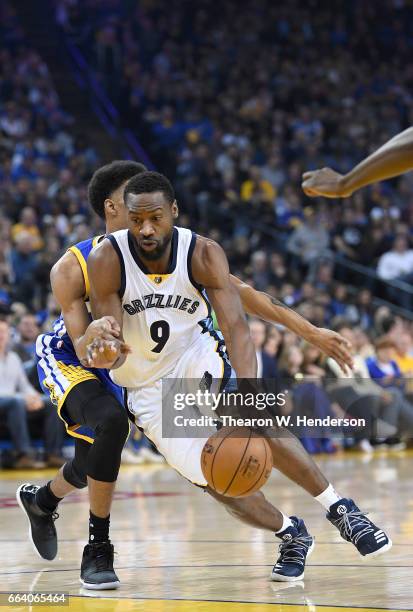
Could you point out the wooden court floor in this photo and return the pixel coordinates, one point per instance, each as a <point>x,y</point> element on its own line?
<point>178,551</point>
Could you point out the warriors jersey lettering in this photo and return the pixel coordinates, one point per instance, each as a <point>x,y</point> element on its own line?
<point>164,315</point>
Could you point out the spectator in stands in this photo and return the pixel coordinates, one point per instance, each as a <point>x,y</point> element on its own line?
<point>260,273</point>
<point>17,396</point>
<point>108,58</point>
<point>313,362</point>
<point>20,404</point>
<point>24,265</point>
<point>14,121</point>
<point>357,392</point>
<point>266,364</point>
<point>365,309</point>
<point>348,235</point>
<point>273,343</point>
<point>288,209</point>
<point>308,398</point>
<point>256,190</point>
<point>404,353</point>
<point>25,345</point>
<point>273,171</point>
<point>403,356</point>
<point>363,346</point>
<point>28,225</point>
<point>397,264</point>
<point>383,368</point>
<point>278,269</point>
<point>310,240</point>
<point>339,304</point>
<point>361,397</point>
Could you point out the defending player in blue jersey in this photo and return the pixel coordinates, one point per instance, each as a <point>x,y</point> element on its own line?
<point>87,400</point>
<point>59,367</point>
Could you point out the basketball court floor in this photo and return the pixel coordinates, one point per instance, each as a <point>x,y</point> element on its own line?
<point>178,550</point>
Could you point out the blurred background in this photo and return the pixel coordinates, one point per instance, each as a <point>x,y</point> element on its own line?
<point>231,102</point>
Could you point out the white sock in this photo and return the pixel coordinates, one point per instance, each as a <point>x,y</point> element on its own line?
<point>287,522</point>
<point>328,497</point>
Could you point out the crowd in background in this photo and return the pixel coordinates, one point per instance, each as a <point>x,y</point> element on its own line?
<point>232,107</point>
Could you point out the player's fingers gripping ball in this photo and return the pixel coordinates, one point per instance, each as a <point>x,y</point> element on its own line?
<point>236,462</point>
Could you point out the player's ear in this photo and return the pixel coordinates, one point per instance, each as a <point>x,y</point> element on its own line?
<point>175,209</point>
<point>110,208</point>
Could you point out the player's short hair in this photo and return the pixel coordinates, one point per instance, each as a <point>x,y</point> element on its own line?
<point>150,182</point>
<point>109,178</point>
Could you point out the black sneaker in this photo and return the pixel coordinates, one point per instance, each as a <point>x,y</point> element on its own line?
<point>295,548</point>
<point>97,567</point>
<point>355,527</point>
<point>42,530</point>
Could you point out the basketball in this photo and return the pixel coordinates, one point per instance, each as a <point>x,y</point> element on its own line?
<point>236,462</point>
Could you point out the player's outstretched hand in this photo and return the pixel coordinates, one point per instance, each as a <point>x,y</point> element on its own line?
<point>325,182</point>
<point>334,345</point>
<point>104,351</point>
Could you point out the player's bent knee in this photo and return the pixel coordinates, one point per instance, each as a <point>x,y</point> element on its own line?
<point>115,422</point>
<point>74,474</point>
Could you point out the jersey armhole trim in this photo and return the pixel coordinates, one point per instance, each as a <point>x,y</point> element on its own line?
<point>115,245</point>
<point>82,262</point>
<point>193,282</point>
<point>189,264</point>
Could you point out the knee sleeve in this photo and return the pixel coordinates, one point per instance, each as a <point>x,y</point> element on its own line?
<point>111,433</point>
<point>74,474</point>
<point>114,423</point>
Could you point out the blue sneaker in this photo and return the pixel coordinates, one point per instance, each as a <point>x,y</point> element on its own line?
<point>296,546</point>
<point>355,527</point>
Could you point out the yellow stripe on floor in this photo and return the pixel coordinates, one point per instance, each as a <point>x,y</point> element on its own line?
<point>87,604</point>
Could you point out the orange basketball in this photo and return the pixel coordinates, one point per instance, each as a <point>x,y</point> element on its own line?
<point>236,462</point>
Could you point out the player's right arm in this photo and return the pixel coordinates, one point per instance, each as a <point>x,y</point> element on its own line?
<point>105,280</point>
<point>395,157</point>
<point>68,286</point>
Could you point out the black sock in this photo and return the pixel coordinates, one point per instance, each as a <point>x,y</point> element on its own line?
<point>98,529</point>
<point>46,500</point>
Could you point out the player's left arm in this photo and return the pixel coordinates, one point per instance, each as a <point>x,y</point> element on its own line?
<point>266,307</point>
<point>211,270</point>
<point>108,353</point>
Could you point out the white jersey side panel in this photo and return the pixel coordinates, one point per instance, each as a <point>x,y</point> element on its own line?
<point>164,315</point>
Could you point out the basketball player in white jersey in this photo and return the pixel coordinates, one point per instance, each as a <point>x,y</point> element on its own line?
<point>159,282</point>
<point>69,284</point>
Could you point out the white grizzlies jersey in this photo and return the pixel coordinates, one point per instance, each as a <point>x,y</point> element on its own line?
<point>164,315</point>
